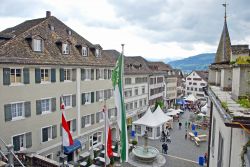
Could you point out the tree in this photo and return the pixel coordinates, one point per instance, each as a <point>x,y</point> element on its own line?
<point>159,103</point>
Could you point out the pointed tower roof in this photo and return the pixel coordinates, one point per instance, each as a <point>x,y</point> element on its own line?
<point>224,50</point>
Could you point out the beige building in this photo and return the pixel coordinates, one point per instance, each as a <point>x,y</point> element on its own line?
<point>41,60</point>
<point>228,82</point>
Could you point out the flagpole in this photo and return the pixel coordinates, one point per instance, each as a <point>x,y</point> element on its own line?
<point>105,135</point>
<point>62,151</point>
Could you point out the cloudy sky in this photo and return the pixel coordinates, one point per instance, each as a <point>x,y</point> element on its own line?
<point>154,29</point>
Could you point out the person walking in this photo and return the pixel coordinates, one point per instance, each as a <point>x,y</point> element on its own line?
<point>186,136</point>
<point>166,148</point>
<point>180,125</point>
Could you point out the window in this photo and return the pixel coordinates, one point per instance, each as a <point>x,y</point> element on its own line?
<point>128,81</point>
<point>149,130</point>
<point>187,88</point>
<point>194,83</point>
<point>136,91</point>
<point>220,151</point>
<point>67,74</point>
<point>202,84</point>
<point>87,97</point>
<point>15,75</point>
<point>67,101</point>
<point>97,52</point>
<point>87,73</point>
<point>191,88</point>
<point>37,45</point>
<point>159,79</point>
<point>46,134</point>
<point>128,93</point>
<point>135,105</point>
<point>188,78</point>
<point>99,95</point>
<point>86,121</point>
<point>145,102</point>
<point>44,75</point>
<point>84,51</point>
<point>99,117</point>
<point>19,142</point>
<point>138,129</point>
<point>112,113</point>
<point>190,83</point>
<point>143,90</point>
<point>95,139</point>
<point>140,103</point>
<point>46,106</point>
<point>195,89</point>
<point>99,73</point>
<point>17,110</point>
<point>72,125</point>
<point>105,74</point>
<point>65,48</point>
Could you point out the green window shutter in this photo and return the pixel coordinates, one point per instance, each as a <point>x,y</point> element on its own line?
<point>6,76</point>
<point>53,104</point>
<point>92,119</point>
<point>54,131</point>
<point>28,137</point>
<point>83,122</point>
<point>38,107</point>
<point>92,74</point>
<point>16,143</point>
<point>7,112</point>
<point>27,109</point>
<point>53,75</point>
<point>83,98</point>
<point>74,125</point>
<point>26,76</point>
<point>73,100</point>
<point>37,75</point>
<point>92,97</point>
<point>73,74</point>
<point>61,74</point>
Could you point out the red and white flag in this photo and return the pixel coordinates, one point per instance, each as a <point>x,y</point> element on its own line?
<point>108,140</point>
<point>66,135</point>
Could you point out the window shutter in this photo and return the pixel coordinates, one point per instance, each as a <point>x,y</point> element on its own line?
<point>82,74</point>
<point>16,143</point>
<point>38,107</point>
<point>92,119</point>
<point>28,137</point>
<point>26,76</point>
<point>54,131</point>
<point>74,125</point>
<point>53,104</point>
<point>73,100</point>
<point>27,109</point>
<point>37,75</point>
<point>83,98</point>
<point>92,74</point>
<point>6,76</point>
<point>97,117</point>
<point>53,75</point>
<point>61,74</point>
<point>7,112</point>
<point>73,74</point>
<point>92,97</point>
<point>83,122</point>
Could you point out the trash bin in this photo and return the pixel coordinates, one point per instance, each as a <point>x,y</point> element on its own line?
<point>201,160</point>
<point>133,133</point>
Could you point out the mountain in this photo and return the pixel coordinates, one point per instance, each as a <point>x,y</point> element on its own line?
<point>198,62</point>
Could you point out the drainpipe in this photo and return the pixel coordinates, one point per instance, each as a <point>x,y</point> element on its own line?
<point>230,151</point>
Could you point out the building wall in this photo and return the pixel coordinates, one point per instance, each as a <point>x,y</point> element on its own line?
<point>211,76</point>
<point>236,83</point>
<point>226,79</point>
<point>154,86</point>
<point>171,88</point>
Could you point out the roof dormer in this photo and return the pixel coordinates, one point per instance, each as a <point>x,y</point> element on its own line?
<point>83,49</point>
<point>98,50</point>
<point>36,42</point>
<point>64,46</point>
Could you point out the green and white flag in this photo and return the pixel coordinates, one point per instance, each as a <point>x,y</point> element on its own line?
<point>117,80</point>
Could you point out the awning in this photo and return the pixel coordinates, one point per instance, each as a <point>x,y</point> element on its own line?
<point>72,148</point>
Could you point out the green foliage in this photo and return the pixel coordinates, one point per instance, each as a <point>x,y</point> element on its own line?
<point>159,103</point>
<point>224,105</point>
<point>232,62</point>
<point>134,142</point>
<point>89,161</point>
<point>244,102</point>
<point>243,60</point>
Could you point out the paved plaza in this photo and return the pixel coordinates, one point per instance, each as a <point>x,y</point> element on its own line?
<point>181,152</point>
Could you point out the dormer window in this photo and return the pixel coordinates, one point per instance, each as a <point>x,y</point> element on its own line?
<point>97,52</point>
<point>37,45</point>
<point>84,51</point>
<point>65,48</point>
<point>69,32</point>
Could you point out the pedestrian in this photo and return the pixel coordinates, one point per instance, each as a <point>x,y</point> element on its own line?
<point>166,148</point>
<point>186,136</point>
<point>205,158</point>
<point>186,123</point>
<point>189,125</point>
<point>180,125</point>
<point>163,148</point>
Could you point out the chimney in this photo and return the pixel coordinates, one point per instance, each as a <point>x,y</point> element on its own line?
<point>48,14</point>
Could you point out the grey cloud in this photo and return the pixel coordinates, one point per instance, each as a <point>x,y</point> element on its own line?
<point>185,21</point>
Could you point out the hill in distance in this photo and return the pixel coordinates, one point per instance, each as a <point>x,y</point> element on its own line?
<point>198,62</point>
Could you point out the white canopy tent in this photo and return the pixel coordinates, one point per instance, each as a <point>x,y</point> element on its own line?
<point>154,123</point>
<point>204,109</point>
<point>173,113</point>
<point>179,110</point>
<point>191,98</point>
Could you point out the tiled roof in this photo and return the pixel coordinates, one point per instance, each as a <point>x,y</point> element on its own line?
<point>203,75</point>
<point>224,50</point>
<point>240,49</point>
<point>17,50</point>
<point>136,65</point>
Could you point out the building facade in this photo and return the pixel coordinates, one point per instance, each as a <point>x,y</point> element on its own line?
<point>228,82</point>
<point>195,82</point>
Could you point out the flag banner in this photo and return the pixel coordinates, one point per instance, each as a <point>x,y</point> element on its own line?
<point>67,139</point>
<point>117,81</point>
<point>108,137</point>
